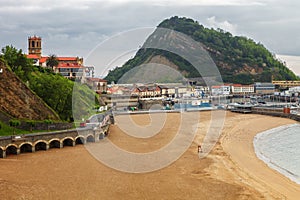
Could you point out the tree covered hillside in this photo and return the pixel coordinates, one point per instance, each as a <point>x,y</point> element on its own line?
<point>239,59</point>
<point>54,89</point>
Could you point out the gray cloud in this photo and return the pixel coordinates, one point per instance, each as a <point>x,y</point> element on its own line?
<point>74,27</point>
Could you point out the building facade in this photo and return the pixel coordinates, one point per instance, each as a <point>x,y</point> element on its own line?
<point>69,67</point>
<point>35,46</point>
<point>220,90</point>
<point>264,88</point>
<point>97,84</point>
<point>285,84</point>
<point>242,89</point>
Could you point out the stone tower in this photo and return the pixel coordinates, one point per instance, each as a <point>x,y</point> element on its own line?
<point>35,46</point>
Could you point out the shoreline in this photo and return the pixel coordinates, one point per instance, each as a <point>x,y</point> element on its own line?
<point>268,161</point>
<point>242,154</point>
<point>230,171</point>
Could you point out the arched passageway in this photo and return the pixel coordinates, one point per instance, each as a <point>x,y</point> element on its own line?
<point>101,136</point>
<point>54,144</point>
<point>90,138</point>
<point>40,146</point>
<point>26,148</point>
<point>11,150</point>
<point>1,153</point>
<point>68,142</point>
<point>79,140</point>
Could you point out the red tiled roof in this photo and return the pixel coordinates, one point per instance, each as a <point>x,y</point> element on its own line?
<point>216,86</point>
<point>111,90</point>
<point>236,85</point>
<point>43,59</point>
<point>219,86</point>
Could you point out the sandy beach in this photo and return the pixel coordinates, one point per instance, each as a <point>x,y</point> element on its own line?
<point>230,171</point>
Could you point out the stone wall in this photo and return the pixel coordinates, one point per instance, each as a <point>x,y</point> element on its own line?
<point>38,125</point>
<point>33,142</point>
<point>275,113</point>
<point>43,126</point>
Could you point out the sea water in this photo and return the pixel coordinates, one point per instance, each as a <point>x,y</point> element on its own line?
<point>279,148</point>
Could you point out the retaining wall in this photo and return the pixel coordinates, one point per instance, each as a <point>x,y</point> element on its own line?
<point>275,113</point>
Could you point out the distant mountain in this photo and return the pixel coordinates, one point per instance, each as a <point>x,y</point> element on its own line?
<point>238,59</point>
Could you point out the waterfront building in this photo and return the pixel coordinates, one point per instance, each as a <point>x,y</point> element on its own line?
<point>242,89</point>
<point>264,88</point>
<point>220,90</point>
<point>283,85</point>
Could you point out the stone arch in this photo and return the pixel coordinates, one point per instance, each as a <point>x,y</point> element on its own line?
<point>1,152</point>
<point>101,135</point>
<point>11,149</point>
<point>67,141</point>
<point>25,147</point>
<point>90,138</point>
<point>54,143</point>
<point>41,145</point>
<point>79,140</point>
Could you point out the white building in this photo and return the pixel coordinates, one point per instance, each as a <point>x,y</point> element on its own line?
<point>242,89</point>
<point>220,90</point>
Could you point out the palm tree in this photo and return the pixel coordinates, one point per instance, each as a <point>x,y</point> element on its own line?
<point>52,61</point>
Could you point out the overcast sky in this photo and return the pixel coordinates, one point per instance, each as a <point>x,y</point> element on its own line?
<point>76,27</point>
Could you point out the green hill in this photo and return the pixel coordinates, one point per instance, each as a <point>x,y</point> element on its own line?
<point>18,101</point>
<point>37,93</point>
<point>239,59</point>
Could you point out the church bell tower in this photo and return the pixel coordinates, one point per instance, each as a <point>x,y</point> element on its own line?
<point>35,46</point>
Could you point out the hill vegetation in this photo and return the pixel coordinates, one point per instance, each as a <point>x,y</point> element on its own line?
<point>26,86</point>
<point>239,59</point>
<point>18,101</point>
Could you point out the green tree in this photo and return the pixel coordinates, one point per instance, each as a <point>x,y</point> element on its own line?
<point>14,123</point>
<point>55,90</point>
<point>48,122</point>
<point>31,124</point>
<point>52,61</point>
<point>18,62</point>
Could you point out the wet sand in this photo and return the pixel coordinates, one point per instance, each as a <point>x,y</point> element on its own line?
<point>230,171</point>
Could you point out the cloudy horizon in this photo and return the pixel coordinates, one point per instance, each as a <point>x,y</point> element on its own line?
<point>76,27</point>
